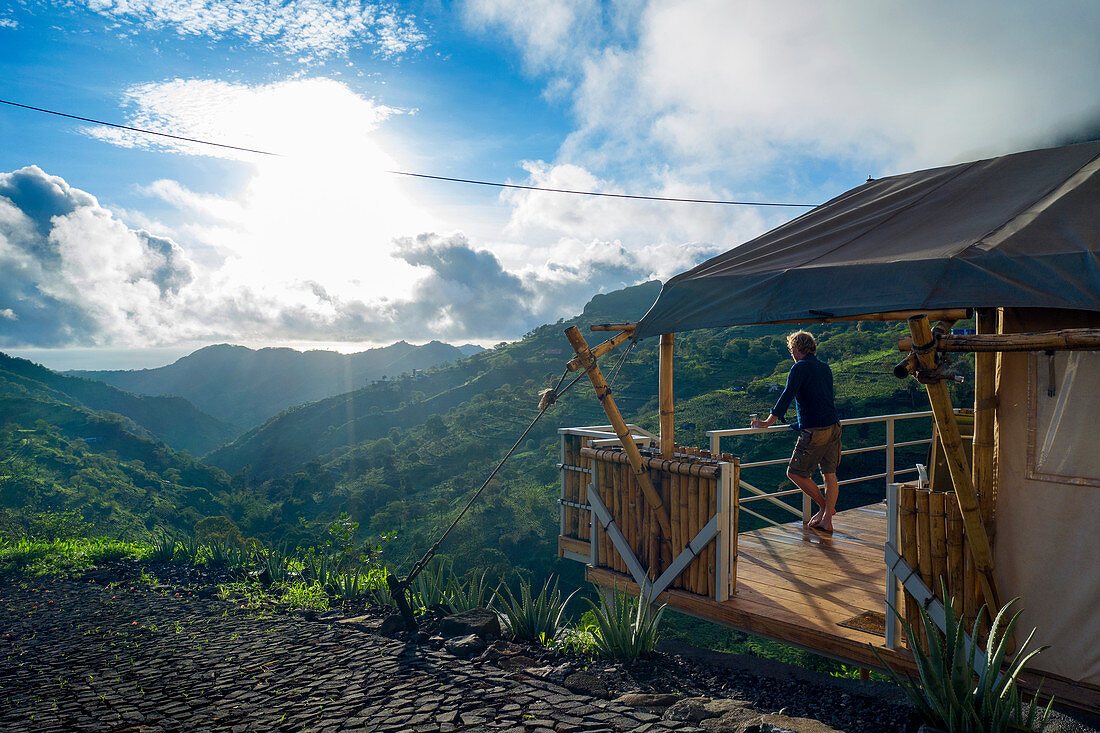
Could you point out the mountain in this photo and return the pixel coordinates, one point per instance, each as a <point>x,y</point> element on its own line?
<point>173,420</point>
<point>244,386</point>
<point>404,456</point>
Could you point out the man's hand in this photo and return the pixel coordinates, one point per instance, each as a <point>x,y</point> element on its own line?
<point>764,423</point>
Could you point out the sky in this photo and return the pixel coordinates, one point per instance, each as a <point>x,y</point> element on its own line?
<point>123,250</point>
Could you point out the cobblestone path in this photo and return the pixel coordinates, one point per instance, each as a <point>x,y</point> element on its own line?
<point>79,656</point>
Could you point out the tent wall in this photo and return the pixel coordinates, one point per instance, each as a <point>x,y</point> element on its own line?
<point>1046,550</point>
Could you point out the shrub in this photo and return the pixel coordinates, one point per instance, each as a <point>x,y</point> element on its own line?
<point>626,627</point>
<point>946,694</point>
<point>474,592</point>
<point>532,619</point>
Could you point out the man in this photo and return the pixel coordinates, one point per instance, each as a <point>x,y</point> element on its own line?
<point>810,385</point>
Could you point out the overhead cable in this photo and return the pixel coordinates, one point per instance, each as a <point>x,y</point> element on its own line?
<point>470,181</point>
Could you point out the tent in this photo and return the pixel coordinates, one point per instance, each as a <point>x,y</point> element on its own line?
<point>1021,230</point>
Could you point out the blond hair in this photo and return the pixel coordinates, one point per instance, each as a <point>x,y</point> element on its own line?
<point>803,341</point>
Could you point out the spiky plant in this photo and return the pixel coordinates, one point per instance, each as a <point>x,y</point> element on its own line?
<point>626,627</point>
<point>950,692</point>
<point>348,585</point>
<point>473,592</point>
<point>164,545</point>
<point>529,618</point>
<point>189,550</point>
<point>430,588</point>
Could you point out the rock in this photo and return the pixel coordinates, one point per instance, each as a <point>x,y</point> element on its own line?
<point>738,720</point>
<point>721,706</point>
<point>365,623</point>
<point>501,648</point>
<point>688,710</point>
<point>465,647</point>
<point>586,684</point>
<point>783,724</point>
<point>480,621</point>
<point>519,661</point>
<point>391,625</point>
<point>545,673</point>
<point>647,701</point>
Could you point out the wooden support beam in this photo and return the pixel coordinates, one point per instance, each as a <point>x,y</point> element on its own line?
<point>957,463</point>
<point>1068,339</point>
<point>600,349</point>
<point>603,393</point>
<point>946,314</point>
<point>613,327</point>
<point>664,391</point>
<point>985,406</point>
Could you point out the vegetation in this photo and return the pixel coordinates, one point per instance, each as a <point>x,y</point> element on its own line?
<point>946,694</point>
<point>532,618</point>
<point>626,627</point>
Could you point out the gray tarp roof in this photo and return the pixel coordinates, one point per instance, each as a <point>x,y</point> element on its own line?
<point>1020,230</point>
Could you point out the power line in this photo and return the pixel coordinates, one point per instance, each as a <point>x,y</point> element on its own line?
<point>136,129</point>
<point>470,181</point>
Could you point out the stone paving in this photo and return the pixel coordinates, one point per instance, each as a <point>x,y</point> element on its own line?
<point>82,656</point>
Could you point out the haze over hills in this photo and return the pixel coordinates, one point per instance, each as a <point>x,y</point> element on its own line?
<point>245,386</point>
<point>173,420</point>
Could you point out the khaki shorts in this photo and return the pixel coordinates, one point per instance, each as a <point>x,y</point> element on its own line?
<point>816,447</point>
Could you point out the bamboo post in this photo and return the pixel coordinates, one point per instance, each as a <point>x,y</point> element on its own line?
<point>712,547</point>
<point>685,527</point>
<point>985,405</point>
<point>677,524</point>
<point>603,393</point>
<point>693,528</point>
<point>735,507</point>
<point>924,536</point>
<point>957,464</point>
<point>907,529</point>
<point>954,552</point>
<point>937,523</point>
<point>668,410</point>
<point>666,496</point>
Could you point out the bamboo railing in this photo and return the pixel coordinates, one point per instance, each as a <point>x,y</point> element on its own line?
<point>933,542</point>
<point>688,485</point>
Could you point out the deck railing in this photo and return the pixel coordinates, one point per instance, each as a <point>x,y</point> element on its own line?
<point>888,476</point>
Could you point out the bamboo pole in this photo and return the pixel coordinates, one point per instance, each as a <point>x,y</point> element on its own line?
<point>599,349</point>
<point>954,552</point>
<point>937,516</point>
<point>907,527</point>
<point>940,399</point>
<point>603,393</point>
<point>666,496</point>
<point>735,507</point>
<point>712,547</point>
<point>685,526</point>
<point>985,406</point>
<point>613,327</point>
<point>667,405</point>
<point>1068,339</point>
<point>674,509</point>
<point>924,536</point>
<point>679,465</point>
<point>693,528</point>
<point>946,314</point>
<point>616,508</point>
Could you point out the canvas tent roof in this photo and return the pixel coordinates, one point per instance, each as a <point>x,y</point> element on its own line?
<point>1019,230</point>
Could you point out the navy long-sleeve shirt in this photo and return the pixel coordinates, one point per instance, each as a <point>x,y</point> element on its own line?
<point>810,385</point>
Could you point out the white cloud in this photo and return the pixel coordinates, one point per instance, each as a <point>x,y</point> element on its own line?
<point>747,89</point>
<point>309,28</point>
<point>73,274</point>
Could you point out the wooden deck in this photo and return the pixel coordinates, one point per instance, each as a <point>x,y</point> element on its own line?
<point>797,585</point>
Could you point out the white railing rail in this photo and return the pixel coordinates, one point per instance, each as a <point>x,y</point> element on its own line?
<point>774,497</point>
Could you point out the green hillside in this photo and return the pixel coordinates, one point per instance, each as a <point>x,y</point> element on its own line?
<point>173,420</point>
<point>244,386</point>
<point>403,456</point>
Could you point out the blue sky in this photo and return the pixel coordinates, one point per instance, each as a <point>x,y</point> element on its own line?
<point>125,250</point>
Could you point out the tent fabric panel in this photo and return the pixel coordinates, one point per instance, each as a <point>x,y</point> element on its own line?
<point>1020,230</point>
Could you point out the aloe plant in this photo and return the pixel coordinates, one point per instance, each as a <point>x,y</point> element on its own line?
<point>529,618</point>
<point>950,693</point>
<point>430,589</point>
<point>348,585</point>
<point>189,550</point>
<point>474,592</point>
<point>626,627</point>
<point>164,546</point>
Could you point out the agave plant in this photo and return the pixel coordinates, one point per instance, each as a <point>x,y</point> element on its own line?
<point>189,550</point>
<point>430,590</point>
<point>375,587</point>
<point>164,546</point>
<point>626,627</point>
<point>950,693</point>
<point>348,585</point>
<point>474,592</point>
<point>225,553</point>
<point>533,619</point>
<point>319,567</point>
<point>274,563</point>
